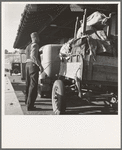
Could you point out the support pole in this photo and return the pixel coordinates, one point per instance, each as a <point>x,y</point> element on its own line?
<point>84,21</point>
<point>75,32</point>
<point>21,66</point>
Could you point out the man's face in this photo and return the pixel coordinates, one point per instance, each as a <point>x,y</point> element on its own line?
<point>35,39</point>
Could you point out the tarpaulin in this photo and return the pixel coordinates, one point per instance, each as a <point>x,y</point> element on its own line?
<point>94,39</point>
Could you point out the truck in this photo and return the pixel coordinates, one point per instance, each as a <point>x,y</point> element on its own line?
<point>15,63</point>
<point>15,68</point>
<point>81,71</point>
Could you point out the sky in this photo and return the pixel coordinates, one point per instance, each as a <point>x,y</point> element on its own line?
<point>11,16</point>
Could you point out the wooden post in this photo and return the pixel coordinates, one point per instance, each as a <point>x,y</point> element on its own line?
<point>75,32</point>
<point>21,65</point>
<point>84,21</point>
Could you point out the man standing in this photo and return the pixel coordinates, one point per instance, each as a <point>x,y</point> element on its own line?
<point>33,65</point>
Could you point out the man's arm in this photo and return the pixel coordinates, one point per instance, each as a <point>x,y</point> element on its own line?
<point>34,55</point>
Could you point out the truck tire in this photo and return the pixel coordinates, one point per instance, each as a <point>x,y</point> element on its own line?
<point>58,98</point>
<point>16,71</point>
<point>40,92</point>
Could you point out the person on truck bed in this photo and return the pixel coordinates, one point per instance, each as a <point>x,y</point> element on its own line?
<point>33,65</point>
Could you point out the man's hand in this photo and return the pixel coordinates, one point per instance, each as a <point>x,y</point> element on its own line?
<point>41,69</point>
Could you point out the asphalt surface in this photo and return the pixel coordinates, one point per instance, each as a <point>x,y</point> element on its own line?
<point>75,106</point>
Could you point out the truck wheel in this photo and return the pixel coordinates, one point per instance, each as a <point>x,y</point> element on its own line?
<point>58,98</point>
<point>40,93</point>
<point>16,71</point>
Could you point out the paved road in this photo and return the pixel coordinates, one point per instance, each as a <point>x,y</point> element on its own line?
<point>44,105</point>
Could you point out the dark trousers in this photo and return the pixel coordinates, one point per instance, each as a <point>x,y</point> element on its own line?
<point>32,73</point>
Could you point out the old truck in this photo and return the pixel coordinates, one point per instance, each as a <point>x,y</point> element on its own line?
<point>81,69</point>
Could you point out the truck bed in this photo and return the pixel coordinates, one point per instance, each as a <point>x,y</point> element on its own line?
<point>104,69</point>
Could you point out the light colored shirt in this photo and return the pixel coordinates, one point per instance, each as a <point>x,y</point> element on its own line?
<point>34,52</point>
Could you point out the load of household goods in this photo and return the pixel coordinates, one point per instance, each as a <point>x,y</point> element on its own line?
<point>95,40</point>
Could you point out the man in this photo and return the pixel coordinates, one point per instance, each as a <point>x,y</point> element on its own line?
<point>33,65</point>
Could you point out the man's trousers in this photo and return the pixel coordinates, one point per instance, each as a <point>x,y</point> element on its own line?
<point>32,73</point>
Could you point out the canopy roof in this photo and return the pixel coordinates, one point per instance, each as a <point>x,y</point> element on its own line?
<point>53,22</point>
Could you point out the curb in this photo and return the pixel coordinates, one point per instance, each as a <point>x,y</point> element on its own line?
<point>12,106</point>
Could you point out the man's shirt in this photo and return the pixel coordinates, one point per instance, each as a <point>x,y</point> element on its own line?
<point>32,54</point>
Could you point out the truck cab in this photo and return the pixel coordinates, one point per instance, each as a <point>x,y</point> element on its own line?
<point>51,63</point>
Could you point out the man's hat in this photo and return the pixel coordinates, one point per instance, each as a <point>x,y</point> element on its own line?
<point>34,34</point>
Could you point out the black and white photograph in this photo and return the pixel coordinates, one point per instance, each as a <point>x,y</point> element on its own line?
<point>61,74</point>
